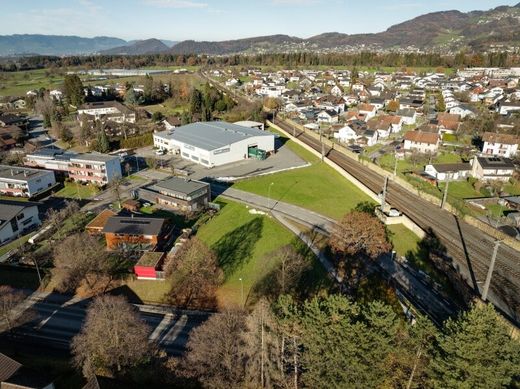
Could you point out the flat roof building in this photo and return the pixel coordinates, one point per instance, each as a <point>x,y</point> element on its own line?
<point>95,168</point>
<point>24,182</point>
<point>179,194</point>
<point>215,143</point>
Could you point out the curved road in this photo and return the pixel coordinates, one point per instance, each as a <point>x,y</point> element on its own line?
<point>469,247</point>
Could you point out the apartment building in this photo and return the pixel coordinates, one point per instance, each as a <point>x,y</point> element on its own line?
<point>24,182</point>
<point>95,168</point>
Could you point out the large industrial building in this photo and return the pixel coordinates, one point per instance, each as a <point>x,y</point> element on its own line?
<point>216,143</point>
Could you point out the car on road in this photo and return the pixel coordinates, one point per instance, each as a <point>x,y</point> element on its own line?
<point>394,213</point>
<point>160,152</point>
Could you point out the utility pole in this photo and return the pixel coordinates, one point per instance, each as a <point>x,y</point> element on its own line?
<point>383,198</point>
<point>322,145</point>
<point>241,291</point>
<point>490,271</point>
<point>445,196</point>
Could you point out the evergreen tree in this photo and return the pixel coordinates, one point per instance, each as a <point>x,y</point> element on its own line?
<point>475,351</point>
<point>103,145</point>
<point>195,101</point>
<point>73,89</point>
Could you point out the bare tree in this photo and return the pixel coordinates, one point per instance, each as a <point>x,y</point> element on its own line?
<point>263,348</point>
<point>113,338</point>
<point>195,275</point>
<point>9,300</point>
<point>360,233</point>
<point>116,187</point>
<point>80,257</point>
<point>215,351</point>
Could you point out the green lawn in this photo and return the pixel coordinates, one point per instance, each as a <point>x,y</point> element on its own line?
<point>74,190</point>
<point>241,241</point>
<point>317,187</point>
<point>461,190</point>
<point>15,243</point>
<point>403,239</point>
<point>149,292</point>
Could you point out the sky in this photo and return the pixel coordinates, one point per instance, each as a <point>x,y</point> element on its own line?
<point>216,19</point>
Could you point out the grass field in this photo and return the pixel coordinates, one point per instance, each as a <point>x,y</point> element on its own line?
<point>77,191</point>
<point>241,241</point>
<point>15,243</point>
<point>403,239</point>
<point>317,187</point>
<point>149,292</point>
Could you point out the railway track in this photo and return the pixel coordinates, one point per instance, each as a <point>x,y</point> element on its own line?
<point>468,247</point>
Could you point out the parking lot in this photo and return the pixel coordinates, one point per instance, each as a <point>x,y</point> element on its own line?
<point>283,159</point>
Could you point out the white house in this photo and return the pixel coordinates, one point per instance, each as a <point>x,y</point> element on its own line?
<point>463,110</point>
<point>408,115</point>
<point>368,110</point>
<point>346,134</point>
<point>328,116</point>
<point>24,182</point>
<point>215,143</point>
<point>492,168</point>
<point>16,217</point>
<point>453,171</point>
<point>507,107</point>
<point>336,91</point>
<point>502,145</point>
<point>107,110</point>
<point>56,94</point>
<point>423,142</point>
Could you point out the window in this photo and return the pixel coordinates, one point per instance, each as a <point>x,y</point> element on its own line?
<point>195,158</point>
<point>205,162</point>
<point>186,155</point>
<point>28,221</point>
<point>20,216</point>
<point>222,151</point>
<point>14,225</point>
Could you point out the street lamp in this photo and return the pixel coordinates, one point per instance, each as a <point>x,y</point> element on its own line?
<point>241,291</point>
<point>269,195</point>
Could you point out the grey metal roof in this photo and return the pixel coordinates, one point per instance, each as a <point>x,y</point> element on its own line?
<point>452,167</point>
<point>180,185</point>
<point>20,173</point>
<point>134,225</point>
<point>211,135</point>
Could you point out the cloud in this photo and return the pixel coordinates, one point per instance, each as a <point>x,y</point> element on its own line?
<point>296,2</point>
<point>176,4</point>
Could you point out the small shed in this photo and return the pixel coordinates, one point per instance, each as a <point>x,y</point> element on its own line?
<point>149,266</point>
<point>131,205</point>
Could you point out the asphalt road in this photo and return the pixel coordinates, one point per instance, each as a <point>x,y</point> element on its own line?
<point>57,319</point>
<point>469,248</point>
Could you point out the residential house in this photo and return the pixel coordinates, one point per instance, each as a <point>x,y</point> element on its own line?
<point>451,171</point>
<point>56,94</point>
<point>16,218</point>
<point>24,182</point>
<point>449,123</point>
<point>172,122</point>
<point>492,168</point>
<point>409,115</point>
<point>423,142</point>
<point>95,168</point>
<point>106,111</point>
<point>179,194</point>
<point>368,110</point>
<point>96,225</point>
<point>464,111</point>
<point>502,145</point>
<point>13,375</point>
<point>328,116</point>
<point>135,233</point>
<point>505,108</point>
<point>336,91</point>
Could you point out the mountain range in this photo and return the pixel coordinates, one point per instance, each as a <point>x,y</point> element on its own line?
<point>439,31</point>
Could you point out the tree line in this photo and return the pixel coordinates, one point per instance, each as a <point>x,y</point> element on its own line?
<point>290,60</point>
